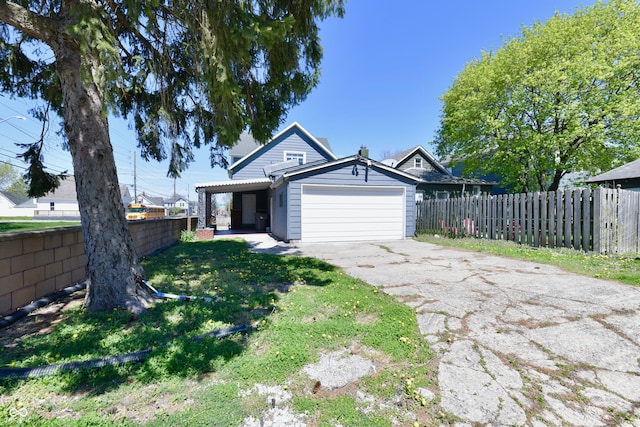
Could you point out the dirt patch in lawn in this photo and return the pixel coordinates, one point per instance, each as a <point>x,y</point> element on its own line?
<point>41,321</point>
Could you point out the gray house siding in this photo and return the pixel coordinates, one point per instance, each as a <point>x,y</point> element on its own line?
<point>279,213</point>
<point>410,164</point>
<point>291,141</point>
<point>340,175</point>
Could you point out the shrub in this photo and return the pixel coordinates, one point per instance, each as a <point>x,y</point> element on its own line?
<point>187,236</point>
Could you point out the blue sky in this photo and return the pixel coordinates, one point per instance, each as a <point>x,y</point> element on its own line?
<point>383,72</point>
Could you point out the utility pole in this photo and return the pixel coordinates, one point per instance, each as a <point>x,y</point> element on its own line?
<point>135,188</point>
<point>188,210</point>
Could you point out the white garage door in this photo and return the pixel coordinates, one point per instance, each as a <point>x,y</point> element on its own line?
<point>333,214</point>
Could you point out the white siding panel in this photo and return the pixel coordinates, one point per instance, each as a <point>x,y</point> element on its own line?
<point>352,213</point>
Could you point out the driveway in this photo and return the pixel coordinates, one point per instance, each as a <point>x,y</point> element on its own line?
<point>517,342</point>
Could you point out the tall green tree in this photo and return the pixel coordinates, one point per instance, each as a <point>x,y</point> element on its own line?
<point>8,175</point>
<point>186,73</point>
<point>11,182</point>
<point>562,97</point>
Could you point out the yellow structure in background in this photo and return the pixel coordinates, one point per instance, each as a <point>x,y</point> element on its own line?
<point>137,212</point>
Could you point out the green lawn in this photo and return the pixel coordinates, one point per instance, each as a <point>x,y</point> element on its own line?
<point>7,226</point>
<point>300,308</point>
<point>623,268</point>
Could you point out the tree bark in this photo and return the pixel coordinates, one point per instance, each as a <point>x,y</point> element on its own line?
<point>555,184</point>
<point>113,266</point>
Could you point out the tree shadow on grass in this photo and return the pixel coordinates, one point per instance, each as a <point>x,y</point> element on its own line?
<point>243,288</point>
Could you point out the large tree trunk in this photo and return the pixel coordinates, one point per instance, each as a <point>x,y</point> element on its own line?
<point>113,266</point>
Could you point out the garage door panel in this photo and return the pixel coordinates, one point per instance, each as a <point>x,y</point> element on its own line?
<point>367,214</point>
<point>342,213</point>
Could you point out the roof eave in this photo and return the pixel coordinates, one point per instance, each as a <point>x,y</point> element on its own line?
<point>234,185</point>
<point>343,160</point>
<point>427,155</point>
<point>278,135</point>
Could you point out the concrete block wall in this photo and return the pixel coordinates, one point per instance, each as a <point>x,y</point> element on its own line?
<point>37,263</point>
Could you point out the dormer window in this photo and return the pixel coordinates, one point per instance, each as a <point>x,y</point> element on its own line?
<point>417,163</point>
<point>300,156</point>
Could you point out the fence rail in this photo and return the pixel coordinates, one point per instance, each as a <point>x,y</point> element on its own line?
<point>602,220</point>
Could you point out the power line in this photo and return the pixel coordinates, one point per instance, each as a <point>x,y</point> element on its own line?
<point>152,181</point>
<point>17,156</point>
<point>11,164</point>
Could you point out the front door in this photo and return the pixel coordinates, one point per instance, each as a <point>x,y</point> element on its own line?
<point>248,209</point>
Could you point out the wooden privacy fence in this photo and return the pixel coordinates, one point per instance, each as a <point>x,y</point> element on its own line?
<point>602,220</point>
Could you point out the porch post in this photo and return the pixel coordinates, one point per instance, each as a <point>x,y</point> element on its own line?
<point>207,203</point>
<point>202,211</point>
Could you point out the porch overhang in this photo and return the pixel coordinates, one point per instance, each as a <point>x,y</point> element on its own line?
<point>233,186</point>
<point>206,189</point>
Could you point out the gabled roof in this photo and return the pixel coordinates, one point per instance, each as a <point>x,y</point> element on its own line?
<point>321,143</point>
<point>66,192</point>
<point>627,171</point>
<point>405,155</point>
<point>174,199</point>
<point>155,201</point>
<point>5,196</point>
<point>247,144</point>
<point>317,166</point>
<point>124,191</point>
<point>14,199</point>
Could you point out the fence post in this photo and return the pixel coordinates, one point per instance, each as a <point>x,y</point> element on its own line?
<point>559,218</point>
<point>586,220</point>
<point>499,214</point>
<point>576,219</point>
<point>544,226</point>
<point>523,219</point>
<point>568,210</point>
<point>515,225</point>
<point>597,220</point>
<point>493,202</point>
<point>536,219</point>
<point>551,221</point>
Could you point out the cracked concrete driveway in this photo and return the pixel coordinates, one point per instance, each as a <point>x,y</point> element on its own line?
<point>518,343</point>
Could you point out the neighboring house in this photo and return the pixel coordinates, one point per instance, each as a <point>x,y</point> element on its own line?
<point>436,182</point>
<point>59,203</point>
<point>183,204</point>
<point>626,177</point>
<point>126,196</point>
<point>296,187</point>
<point>145,199</point>
<point>458,171</point>
<point>569,181</point>
<point>15,206</point>
<point>179,203</point>
<point>62,203</point>
<point>26,208</point>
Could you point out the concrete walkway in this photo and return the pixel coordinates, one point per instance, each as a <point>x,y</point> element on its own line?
<point>518,343</point>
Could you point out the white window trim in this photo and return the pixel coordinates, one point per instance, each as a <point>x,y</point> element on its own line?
<point>416,161</point>
<point>297,153</point>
